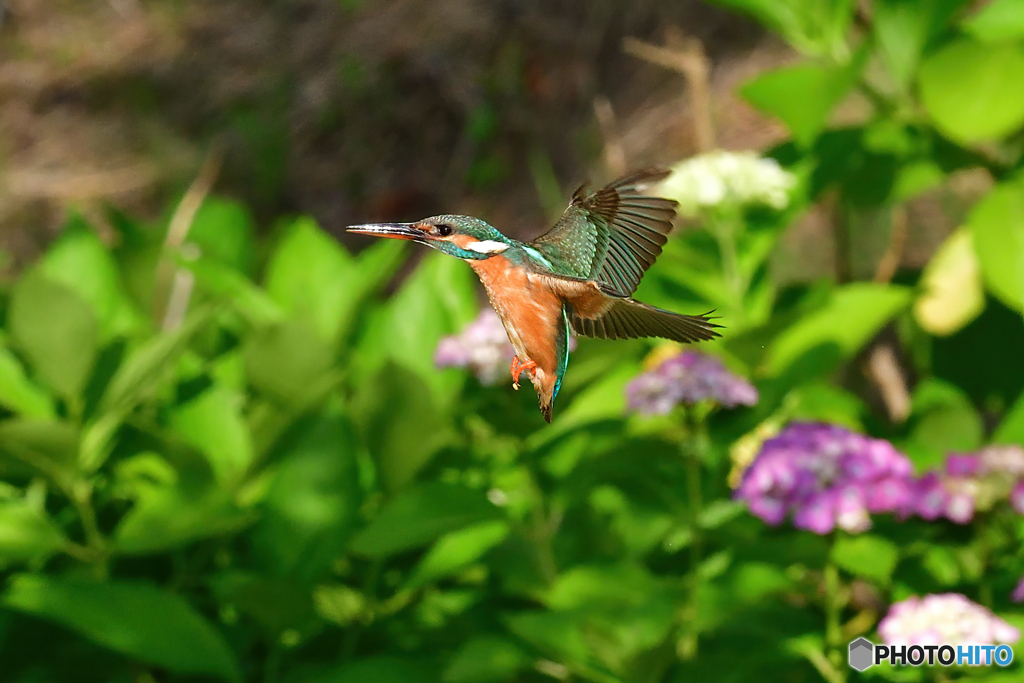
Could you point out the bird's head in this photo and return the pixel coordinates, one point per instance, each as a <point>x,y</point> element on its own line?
<point>464,237</point>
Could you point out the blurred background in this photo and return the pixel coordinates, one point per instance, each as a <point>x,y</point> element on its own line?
<point>238,444</point>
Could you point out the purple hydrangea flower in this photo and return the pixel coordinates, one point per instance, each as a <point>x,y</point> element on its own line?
<point>971,482</point>
<point>826,477</point>
<point>944,618</point>
<point>1018,593</point>
<point>687,378</point>
<point>482,346</point>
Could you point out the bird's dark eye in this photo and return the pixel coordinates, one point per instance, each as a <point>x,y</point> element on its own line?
<point>444,230</point>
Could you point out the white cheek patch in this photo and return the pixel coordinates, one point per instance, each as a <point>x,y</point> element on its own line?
<point>487,247</point>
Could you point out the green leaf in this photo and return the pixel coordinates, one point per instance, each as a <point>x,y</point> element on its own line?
<point>376,669</point>
<point>812,27</point>
<point>135,619</point>
<point>142,371</point>
<point>401,449</point>
<point>555,633</point>
<point>213,423</point>
<point>172,516</point>
<point>903,29</point>
<point>953,294</point>
<point>486,659</point>
<point>81,262</point>
<point>27,533</point>
<point>18,393</point>
<point>275,604</point>
<point>997,21</point>
<point>457,550</point>
<point>866,555</point>
<point>972,90</point>
<point>997,226</point>
<point>943,419</point>
<point>420,515</point>
<point>286,361</point>
<point>56,331</point>
<point>1011,429</point>
<point>222,281</point>
<point>783,93</point>
<point>311,506</point>
<point>49,446</point>
<point>223,230</point>
<point>439,298</point>
<point>312,276</point>
<point>839,329</point>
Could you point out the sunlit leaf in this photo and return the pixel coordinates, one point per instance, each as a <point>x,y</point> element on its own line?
<point>972,89</point>
<point>997,228</point>
<point>457,550</point>
<point>213,423</point>
<point>17,392</point>
<point>486,659</point>
<point>56,331</point>
<point>27,533</point>
<point>953,294</point>
<point>997,21</point>
<point>866,555</point>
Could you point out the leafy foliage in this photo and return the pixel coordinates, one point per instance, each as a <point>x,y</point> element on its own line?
<point>272,481</point>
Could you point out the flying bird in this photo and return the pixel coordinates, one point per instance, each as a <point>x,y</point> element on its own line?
<point>579,275</point>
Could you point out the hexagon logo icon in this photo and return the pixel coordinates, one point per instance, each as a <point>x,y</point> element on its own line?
<point>861,654</point>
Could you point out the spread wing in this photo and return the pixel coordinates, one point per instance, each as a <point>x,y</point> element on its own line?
<point>612,235</point>
<point>628,319</point>
<point>597,310</point>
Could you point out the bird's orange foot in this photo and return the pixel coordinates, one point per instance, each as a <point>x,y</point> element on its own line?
<point>518,368</point>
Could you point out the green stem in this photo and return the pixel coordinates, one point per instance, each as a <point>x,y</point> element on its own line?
<point>692,448</point>
<point>833,618</point>
<point>726,232</point>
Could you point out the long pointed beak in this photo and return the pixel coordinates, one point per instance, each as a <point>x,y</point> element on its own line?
<point>398,231</point>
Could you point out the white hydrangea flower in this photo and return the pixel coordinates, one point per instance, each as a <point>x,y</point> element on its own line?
<point>944,618</point>
<point>739,178</point>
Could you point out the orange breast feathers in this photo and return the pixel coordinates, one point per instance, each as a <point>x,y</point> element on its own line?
<point>528,307</point>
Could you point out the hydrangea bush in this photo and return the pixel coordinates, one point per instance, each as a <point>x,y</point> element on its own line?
<point>304,468</point>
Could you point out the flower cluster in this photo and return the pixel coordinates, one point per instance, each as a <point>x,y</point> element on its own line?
<point>735,178</point>
<point>684,379</point>
<point>826,477</point>
<point>483,346</point>
<point>971,482</point>
<point>944,618</point>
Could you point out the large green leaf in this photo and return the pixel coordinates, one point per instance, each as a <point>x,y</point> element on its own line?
<point>457,550</point>
<point>812,27</point>
<point>942,420</point>
<point>972,89</point>
<point>783,93</point>
<point>311,275</point>
<point>213,423</point>
<point>997,21</point>
<point>486,659</point>
<point>439,298</point>
<point>903,29</point>
<point>287,361</point>
<point>997,228</point>
<point>310,508</point>
<point>135,619</point>
<point>81,262</point>
<point>375,669</point>
<point>172,516</point>
<point>56,331</point>
<point>27,533</point>
<point>401,448</point>
<point>1011,429</point>
<point>17,392</point>
<point>420,515</point>
<point>223,230</point>
<point>839,329</point>
<point>867,556</point>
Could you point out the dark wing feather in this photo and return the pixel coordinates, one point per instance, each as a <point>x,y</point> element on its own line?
<point>628,319</point>
<point>613,235</point>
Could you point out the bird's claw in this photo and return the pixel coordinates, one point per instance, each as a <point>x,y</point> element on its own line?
<point>518,368</point>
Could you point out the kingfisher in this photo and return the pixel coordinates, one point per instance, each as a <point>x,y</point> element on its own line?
<point>579,275</point>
